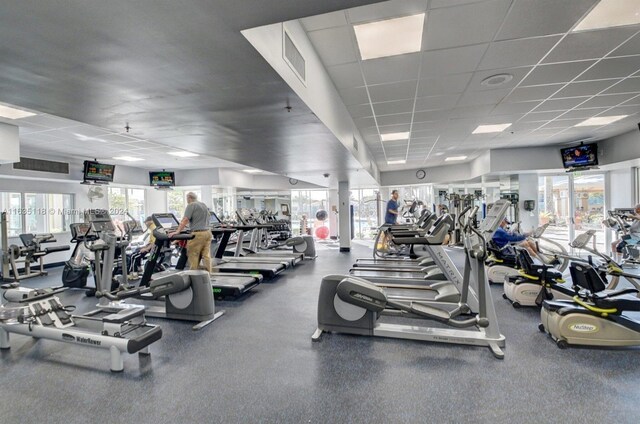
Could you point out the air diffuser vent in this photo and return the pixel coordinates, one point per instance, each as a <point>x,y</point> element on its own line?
<point>294,58</point>
<point>40,165</point>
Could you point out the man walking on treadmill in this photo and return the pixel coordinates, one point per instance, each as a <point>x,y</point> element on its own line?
<point>196,216</point>
<point>391,216</point>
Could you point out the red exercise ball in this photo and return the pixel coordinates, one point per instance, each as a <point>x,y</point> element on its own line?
<point>322,232</point>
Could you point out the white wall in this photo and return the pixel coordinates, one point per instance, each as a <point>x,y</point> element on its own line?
<point>528,190</point>
<point>621,191</point>
<point>9,143</point>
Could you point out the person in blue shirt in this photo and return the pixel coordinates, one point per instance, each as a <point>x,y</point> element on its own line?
<point>391,216</point>
<point>502,237</point>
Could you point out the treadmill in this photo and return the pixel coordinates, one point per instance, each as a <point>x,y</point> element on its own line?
<point>253,251</point>
<point>223,284</point>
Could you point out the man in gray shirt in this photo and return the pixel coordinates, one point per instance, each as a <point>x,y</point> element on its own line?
<point>196,216</point>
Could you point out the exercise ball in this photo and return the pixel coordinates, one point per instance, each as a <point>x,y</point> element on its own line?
<point>321,215</point>
<point>322,232</point>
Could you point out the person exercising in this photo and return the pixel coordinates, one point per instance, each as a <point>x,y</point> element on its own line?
<point>391,216</point>
<point>502,237</point>
<point>196,216</point>
<point>135,259</point>
<point>632,238</point>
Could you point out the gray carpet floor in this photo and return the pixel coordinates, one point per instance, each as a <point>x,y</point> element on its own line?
<point>258,364</point>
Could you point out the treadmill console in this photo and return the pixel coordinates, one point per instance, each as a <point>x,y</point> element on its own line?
<point>214,221</point>
<point>100,220</point>
<point>165,221</point>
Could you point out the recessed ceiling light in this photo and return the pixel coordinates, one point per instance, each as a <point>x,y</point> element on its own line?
<point>128,158</point>
<point>13,113</point>
<point>438,154</point>
<point>454,158</point>
<point>390,37</point>
<point>394,136</point>
<point>597,121</point>
<point>396,162</point>
<point>496,80</point>
<point>611,13</point>
<point>486,129</point>
<point>252,171</point>
<point>183,154</point>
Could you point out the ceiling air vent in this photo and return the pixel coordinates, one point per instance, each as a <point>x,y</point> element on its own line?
<point>355,143</point>
<point>39,165</point>
<point>294,58</point>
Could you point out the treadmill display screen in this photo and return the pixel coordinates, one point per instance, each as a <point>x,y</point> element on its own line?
<point>213,219</point>
<point>167,221</point>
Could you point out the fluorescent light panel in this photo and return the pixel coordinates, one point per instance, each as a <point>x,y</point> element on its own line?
<point>13,113</point>
<point>487,129</point>
<point>390,37</point>
<point>128,158</point>
<point>394,136</point>
<point>455,158</point>
<point>252,171</point>
<point>396,162</point>
<point>183,154</point>
<point>598,121</point>
<point>611,13</point>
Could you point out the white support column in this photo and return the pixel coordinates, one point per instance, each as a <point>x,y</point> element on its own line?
<point>344,216</point>
<point>528,190</point>
<point>206,196</point>
<point>333,217</point>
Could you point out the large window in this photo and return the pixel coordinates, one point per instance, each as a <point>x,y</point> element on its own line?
<point>123,200</point>
<point>177,200</point>
<point>37,212</point>
<point>223,201</point>
<point>304,205</point>
<point>365,213</point>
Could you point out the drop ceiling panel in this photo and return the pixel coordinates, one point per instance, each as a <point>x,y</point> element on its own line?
<point>436,102</point>
<point>386,10</point>
<point>471,111</point>
<point>582,113</point>
<point>486,97</point>
<point>400,118</point>
<point>431,115</point>
<point>509,108</point>
<point>346,75</point>
<point>479,20</point>
<point>360,111</point>
<point>521,52</point>
<point>394,91</point>
<point>478,77</point>
<point>326,40</point>
<point>556,73</point>
<point>444,85</point>
<point>390,108</point>
<point>560,104</point>
<point>385,129</point>
<point>435,4</point>
<point>631,47</point>
<point>629,85</point>
<point>589,44</point>
<point>540,116</point>
<point>537,92</point>
<point>391,69</point>
<point>612,68</point>
<point>530,18</point>
<point>586,88</point>
<point>608,100</point>
<point>452,61</point>
<point>354,96</point>
<point>326,20</point>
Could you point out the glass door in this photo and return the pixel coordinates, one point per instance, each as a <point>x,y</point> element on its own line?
<point>554,207</point>
<point>588,201</point>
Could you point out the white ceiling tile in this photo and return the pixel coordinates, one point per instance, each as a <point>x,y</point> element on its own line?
<point>391,69</point>
<point>430,115</point>
<point>560,104</point>
<point>400,118</point>
<point>513,53</point>
<point>613,68</point>
<point>384,129</point>
<point>586,88</point>
<point>326,40</point>
<point>540,116</point>
<point>471,111</point>
<point>447,101</point>
<point>537,92</point>
<point>582,113</point>
<point>364,122</point>
<point>45,137</point>
<point>589,44</point>
<point>28,128</point>
<point>463,25</point>
<point>608,100</point>
<point>444,85</point>
<point>435,4</point>
<point>118,138</point>
<point>323,21</point>
<point>486,97</point>
<point>629,85</point>
<point>631,47</point>
<point>457,60</point>
<point>346,75</point>
<point>390,108</point>
<point>556,73</point>
<point>623,110</point>
<point>530,18</point>
<point>360,111</point>
<point>478,77</point>
<point>633,101</point>
<point>394,91</point>
<point>51,121</point>
<point>354,96</point>
<point>505,108</point>
<point>386,10</point>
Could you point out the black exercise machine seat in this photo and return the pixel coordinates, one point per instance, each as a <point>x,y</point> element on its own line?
<point>586,277</point>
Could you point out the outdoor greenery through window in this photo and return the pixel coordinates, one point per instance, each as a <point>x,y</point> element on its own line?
<point>177,200</point>
<point>37,212</point>
<point>122,200</point>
